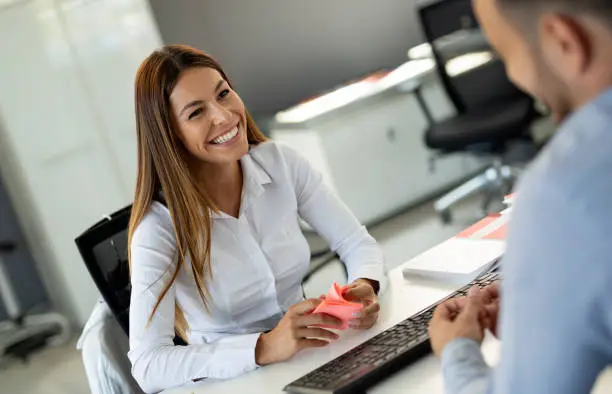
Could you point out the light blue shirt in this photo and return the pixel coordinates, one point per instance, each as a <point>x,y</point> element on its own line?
<point>556,319</point>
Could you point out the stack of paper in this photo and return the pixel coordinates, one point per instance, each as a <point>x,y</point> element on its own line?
<point>464,257</point>
<point>337,306</point>
<point>458,260</point>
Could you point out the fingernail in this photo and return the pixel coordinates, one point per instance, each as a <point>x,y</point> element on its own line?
<point>356,314</point>
<point>474,291</point>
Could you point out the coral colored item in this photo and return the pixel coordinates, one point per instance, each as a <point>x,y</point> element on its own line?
<point>494,226</point>
<point>337,306</point>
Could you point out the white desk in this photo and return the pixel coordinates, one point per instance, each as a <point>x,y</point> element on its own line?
<point>401,300</point>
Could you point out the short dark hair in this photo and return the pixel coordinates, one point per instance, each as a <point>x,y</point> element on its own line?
<point>599,8</point>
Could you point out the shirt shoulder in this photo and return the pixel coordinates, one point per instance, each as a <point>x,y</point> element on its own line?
<point>575,170</point>
<point>560,218</point>
<point>155,227</point>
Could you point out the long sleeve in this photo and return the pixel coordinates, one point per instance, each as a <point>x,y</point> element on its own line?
<point>464,369</point>
<point>156,363</point>
<point>556,319</point>
<point>332,219</point>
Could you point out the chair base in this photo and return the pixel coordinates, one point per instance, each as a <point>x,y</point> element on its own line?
<point>496,182</point>
<point>29,334</point>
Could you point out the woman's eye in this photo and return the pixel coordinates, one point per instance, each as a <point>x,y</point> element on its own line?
<point>195,113</point>
<point>224,93</point>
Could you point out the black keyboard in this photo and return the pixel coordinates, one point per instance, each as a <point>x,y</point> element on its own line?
<point>380,356</point>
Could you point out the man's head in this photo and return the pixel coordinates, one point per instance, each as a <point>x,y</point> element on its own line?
<point>560,51</point>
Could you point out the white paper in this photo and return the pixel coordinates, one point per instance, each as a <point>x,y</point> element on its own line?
<point>457,256</point>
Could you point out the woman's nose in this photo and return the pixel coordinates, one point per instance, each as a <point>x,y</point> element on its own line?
<point>219,115</point>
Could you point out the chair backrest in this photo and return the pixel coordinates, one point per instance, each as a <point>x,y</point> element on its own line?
<point>452,30</point>
<point>104,249</point>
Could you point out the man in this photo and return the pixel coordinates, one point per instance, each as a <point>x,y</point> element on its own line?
<point>556,304</point>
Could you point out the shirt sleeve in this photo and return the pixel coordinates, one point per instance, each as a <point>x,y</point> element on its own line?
<point>464,369</point>
<point>554,322</point>
<point>157,364</point>
<point>332,219</point>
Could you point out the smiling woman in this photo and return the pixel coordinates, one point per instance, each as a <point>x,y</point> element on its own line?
<point>216,252</point>
<point>210,116</point>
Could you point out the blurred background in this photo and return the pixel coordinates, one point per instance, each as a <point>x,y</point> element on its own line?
<point>374,98</point>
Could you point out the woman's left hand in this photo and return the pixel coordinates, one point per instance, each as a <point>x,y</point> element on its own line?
<point>362,290</point>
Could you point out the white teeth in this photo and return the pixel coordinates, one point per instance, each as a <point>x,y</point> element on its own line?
<point>227,136</point>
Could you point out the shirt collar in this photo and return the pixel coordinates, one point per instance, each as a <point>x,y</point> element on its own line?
<point>253,172</point>
<point>254,178</point>
<point>583,115</point>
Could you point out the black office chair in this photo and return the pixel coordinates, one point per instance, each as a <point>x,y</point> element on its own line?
<point>491,112</point>
<point>103,248</point>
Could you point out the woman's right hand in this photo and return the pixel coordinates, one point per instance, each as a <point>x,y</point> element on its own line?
<point>295,332</point>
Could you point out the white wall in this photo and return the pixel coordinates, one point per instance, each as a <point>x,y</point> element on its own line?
<point>66,105</point>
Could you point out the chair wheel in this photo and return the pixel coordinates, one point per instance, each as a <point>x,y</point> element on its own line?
<point>446,216</point>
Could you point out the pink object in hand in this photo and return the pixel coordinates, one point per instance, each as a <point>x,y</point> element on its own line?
<point>337,306</point>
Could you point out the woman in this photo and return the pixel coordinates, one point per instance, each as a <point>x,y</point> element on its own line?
<point>216,251</point>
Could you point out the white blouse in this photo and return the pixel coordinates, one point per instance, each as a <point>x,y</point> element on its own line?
<point>258,262</point>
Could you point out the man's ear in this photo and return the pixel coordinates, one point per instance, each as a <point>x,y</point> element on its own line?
<point>565,46</point>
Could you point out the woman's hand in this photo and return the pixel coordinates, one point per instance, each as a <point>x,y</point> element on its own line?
<point>362,290</point>
<point>295,332</point>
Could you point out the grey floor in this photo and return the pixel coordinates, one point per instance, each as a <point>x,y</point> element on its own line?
<point>59,370</point>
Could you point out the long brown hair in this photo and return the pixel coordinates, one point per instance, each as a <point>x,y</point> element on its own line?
<point>162,166</point>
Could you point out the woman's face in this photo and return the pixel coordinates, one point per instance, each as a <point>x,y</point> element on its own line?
<point>210,116</point>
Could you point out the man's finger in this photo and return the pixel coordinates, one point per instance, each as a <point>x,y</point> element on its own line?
<point>492,308</point>
<point>491,293</point>
<point>446,311</point>
<point>460,302</point>
<point>453,307</point>
<point>474,305</point>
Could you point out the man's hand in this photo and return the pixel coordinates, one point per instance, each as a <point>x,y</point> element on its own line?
<point>361,290</point>
<point>457,319</point>
<point>491,300</point>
